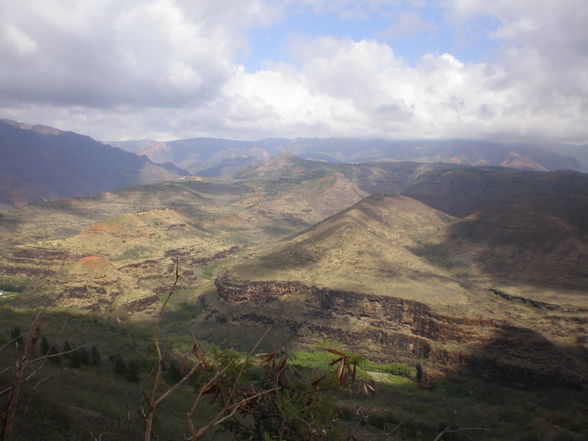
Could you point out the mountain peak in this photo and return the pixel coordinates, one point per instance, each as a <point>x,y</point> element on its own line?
<point>39,128</point>
<point>44,163</point>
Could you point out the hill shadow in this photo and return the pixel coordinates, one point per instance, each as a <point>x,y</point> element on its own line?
<point>515,244</point>
<point>522,358</point>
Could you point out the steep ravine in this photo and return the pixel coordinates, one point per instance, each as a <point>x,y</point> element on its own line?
<point>396,329</point>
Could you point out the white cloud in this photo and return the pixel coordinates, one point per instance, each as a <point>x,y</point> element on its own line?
<point>19,40</point>
<point>166,69</point>
<point>109,53</point>
<point>370,92</point>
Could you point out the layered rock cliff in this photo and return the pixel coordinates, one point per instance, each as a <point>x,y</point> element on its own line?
<point>395,329</point>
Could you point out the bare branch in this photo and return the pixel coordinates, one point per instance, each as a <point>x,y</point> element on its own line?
<point>201,393</point>
<point>41,381</point>
<point>244,365</point>
<point>58,354</point>
<point>154,400</point>
<point>3,391</point>
<point>219,419</point>
<point>9,342</point>
<point>443,432</point>
<point>236,406</point>
<point>20,364</point>
<point>463,429</point>
<point>175,386</point>
<point>222,414</point>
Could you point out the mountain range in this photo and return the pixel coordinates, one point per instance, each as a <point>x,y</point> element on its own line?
<point>468,250</point>
<point>470,273</point>
<point>43,163</point>
<point>214,157</point>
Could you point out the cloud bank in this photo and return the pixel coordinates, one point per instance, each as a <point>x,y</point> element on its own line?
<point>165,69</point>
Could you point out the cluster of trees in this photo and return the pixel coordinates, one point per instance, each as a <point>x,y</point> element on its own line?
<point>260,396</point>
<point>74,358</point>
<point>130,370</point>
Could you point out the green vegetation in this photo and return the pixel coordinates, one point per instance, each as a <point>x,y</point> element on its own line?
<point>398,369</point>
<point>133,253</point>
<point>14,284</point>
<point>441,255</point>
<point>322,360</point>
<point>97,397</point>
<point>208,271</point>
<point>386,267</point>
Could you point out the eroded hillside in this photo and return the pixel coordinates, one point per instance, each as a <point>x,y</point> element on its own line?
<point>480,269</point>
<point>500,294</point>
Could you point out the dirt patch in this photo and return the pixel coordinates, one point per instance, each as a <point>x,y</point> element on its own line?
<point>95,264</point>
<point>104,229</point>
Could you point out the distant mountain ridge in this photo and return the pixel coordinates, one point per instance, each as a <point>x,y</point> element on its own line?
<point>464,267</point>
<point>213,156</point>
<point>41,163</point>
<point>458,190</point>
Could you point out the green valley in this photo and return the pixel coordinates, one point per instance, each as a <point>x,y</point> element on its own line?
<point>473,276</point>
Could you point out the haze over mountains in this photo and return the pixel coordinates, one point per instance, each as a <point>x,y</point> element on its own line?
<point>43,163</point>
<point>287,227</point>
<point>471,271</point>
<point>213,157</point>
<point>383,202</point>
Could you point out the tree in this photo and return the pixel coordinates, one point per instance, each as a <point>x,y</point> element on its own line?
<point>67,348</point>
<point>120,367</point>
<point>95,356</point>
<point>421,377</point>
<point>84,356</point>
<point>299,410</point>
<point>54,355</point>
<point>23,360</point>
<point>75,361</point>
<point>133,371</point>
<point>16,336</point>
<point>173,371</point>
<point>45,346</point>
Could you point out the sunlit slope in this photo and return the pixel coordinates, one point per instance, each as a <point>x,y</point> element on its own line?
<point>390,246</point>
<point>145,234</point>
<point>397,246</point>
<point>141,231</point>
<point>367,248</point>
<point>501,292</point>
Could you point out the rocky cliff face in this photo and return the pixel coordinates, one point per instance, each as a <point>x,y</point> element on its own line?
<point>396,329</point>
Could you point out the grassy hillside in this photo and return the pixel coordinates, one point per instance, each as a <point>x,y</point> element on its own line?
<point>93,400</point>
<point>139,232</point>
<point>463,191</point>
<point>500,293</point>
<point>365,248</point>
<point>301,247</point>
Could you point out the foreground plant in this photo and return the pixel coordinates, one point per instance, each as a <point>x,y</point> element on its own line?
<point>259,396</point>
<point>26,367</point>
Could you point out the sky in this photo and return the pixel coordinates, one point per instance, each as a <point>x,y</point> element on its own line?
<point>506,70</point>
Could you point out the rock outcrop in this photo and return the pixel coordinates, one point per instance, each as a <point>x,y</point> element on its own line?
<point>395,329</point>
